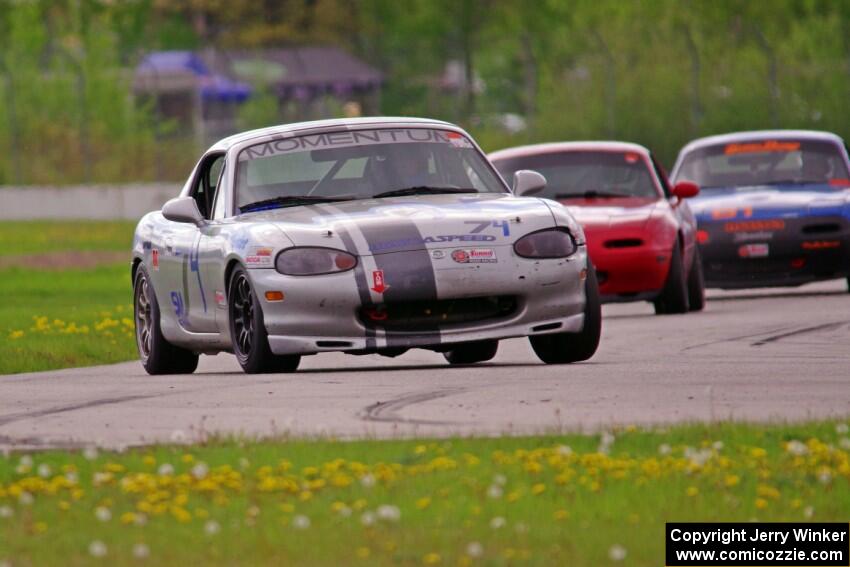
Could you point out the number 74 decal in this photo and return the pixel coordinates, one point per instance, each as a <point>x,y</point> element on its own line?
<point>480,226</point>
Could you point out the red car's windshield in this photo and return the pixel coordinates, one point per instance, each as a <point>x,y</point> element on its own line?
<point>765,162</point>
<point>579,174</point>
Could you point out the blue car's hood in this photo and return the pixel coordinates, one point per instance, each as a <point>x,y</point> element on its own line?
<point>763,201</point>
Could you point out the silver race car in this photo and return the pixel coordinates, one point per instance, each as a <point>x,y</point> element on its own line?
<point>362,236</point>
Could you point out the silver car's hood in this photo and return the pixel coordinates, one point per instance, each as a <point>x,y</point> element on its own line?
<point>410,223</point>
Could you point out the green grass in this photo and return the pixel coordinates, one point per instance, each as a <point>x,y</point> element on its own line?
<point>550,500</point>
<point>60,319</point>
<point>39,237</point>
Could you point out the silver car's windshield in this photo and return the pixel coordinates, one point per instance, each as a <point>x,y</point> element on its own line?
<point>360,164</point>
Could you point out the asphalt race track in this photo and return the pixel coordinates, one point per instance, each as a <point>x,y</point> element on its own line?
<point>752,355</point>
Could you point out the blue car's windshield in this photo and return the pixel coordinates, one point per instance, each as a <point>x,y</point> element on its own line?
<point>360,164</point>
<point>765,162</point>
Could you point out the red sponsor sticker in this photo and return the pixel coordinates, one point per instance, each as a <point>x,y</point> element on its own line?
<point>155,259</point>
<point>379,284</point>
<point>474,256</point>
<point>753,251</point>
<point>632,158</point>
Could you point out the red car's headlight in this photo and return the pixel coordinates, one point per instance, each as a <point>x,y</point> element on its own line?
<point>313,261</point>
<point>549,243</point>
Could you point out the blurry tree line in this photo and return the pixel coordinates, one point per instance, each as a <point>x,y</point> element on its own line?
<point>657,72</point>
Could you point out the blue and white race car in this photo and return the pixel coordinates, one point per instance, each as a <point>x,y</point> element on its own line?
<point>774,207</point>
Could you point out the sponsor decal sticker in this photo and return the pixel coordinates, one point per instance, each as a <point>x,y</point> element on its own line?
<point>754,225</point>
<point>259,257</point>
<point>155,259</point>
<point>353,138</point>
<point>760,250</point>
<point>379,284</point>
<point>761,147</point>
<point>631,158</point>
<point>821,244</point>
<point>220,299</point>
<point>474,256</point>
<point>438,254</point>
<point>404,242</point>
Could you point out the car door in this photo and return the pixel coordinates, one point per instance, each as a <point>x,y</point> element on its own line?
<point>198,293</point>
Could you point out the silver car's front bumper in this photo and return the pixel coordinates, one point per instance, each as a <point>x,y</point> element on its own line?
<point>322,313</point>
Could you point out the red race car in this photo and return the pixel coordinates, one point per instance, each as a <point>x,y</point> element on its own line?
<point>641,234</point>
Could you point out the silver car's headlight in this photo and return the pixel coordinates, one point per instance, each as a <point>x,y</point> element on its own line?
<point>313,261</point>
<point>549,243</point>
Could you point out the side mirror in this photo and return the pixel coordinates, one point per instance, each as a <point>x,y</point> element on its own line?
<point>528,182</point>
<point>183,209</point>
<point>685,189</point>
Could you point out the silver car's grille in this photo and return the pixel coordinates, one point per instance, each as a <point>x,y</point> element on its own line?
<point>413,316</point>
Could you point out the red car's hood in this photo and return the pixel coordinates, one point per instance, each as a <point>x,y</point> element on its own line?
<point>600,214</point>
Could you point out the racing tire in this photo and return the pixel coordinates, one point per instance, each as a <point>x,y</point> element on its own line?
<point>157,355</point>
<point>673,299</point>
<point>470,353</point>
<point>566,348</point>
<point>696,284</point>
<point>248,330</point>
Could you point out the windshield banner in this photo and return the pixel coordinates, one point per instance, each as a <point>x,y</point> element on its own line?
<point>353,138</point>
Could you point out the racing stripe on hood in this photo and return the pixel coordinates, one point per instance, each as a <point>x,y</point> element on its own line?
<point>408,275</point>
<point>359,271</point>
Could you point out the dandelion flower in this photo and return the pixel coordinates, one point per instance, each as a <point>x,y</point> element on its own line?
<point>300,522</point>
<point>564,450</point>
<point>423,503</point>
<point>6,512</point>
<point>824,476</point>
<point>90,453</point>
<point>367,519</point>
<point>97,548</point>
<point>362,552</point>
<point>538,488</point>
<point>521,528</point>
<point>664,449</point>
<point>474,549</point>
<point>844,443</point>
<point>431,559</point>
<point>44,470</point>
<point>796,448</point>
<point>25,498</point>
<point>212,527</point>
<point>617,552</point>
<point>808,512</point>
<point>200,470</point>
<point>389,513</point>
<point>497,522</point>
<point>103,513</point>
<point>141,551</point>
<point>495,491</point>
<point>842,428</point>
<point>165,469</point>
<point>367,481</point>
<point>500,479</point>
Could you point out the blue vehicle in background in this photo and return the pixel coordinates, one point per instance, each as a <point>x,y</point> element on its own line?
<point>773,208</point>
